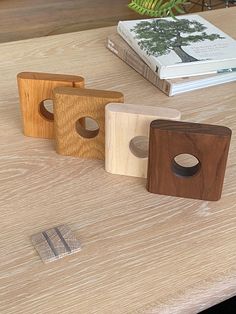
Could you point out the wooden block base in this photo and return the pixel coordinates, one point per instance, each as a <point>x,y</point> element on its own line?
<point>34,89</point>
<point>209,144</point>
<point>127,136</point>
<point>72,107</point>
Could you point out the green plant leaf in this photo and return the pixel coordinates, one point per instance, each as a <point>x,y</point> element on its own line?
<point>155,8</point>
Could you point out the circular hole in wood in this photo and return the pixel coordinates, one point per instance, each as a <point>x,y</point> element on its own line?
<point>46,109</point>
<point>139,146</point>
<point>185,165</point>
<point>87,127</point>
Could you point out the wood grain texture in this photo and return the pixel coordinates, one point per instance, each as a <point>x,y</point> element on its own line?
<point>127,133</point>
<point>55,243</point>
<point>22,19</point>
<point>34,88</point>
<point>71,108</point>
<point>142,252</point>
<point>208,143</point>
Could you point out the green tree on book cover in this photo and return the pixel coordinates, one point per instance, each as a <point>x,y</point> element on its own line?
<point>159,36</point>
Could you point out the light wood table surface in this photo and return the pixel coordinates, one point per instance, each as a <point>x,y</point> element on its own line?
<point>141,253</point>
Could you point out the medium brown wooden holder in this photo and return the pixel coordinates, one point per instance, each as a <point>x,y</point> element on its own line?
<point>71,108</point>
<point>34,89</point>
<point>208,143</point>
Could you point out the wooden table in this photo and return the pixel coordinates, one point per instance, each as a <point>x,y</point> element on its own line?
<point>142,253</point>
<point>22,19</point>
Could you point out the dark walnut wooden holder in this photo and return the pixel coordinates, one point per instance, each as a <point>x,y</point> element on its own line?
<point>208,143</point>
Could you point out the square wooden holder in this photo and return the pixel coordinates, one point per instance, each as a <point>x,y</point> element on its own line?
<point>127,132</point>
<point>34,88</point>
<point>208,143</point>
<point>71,108</point>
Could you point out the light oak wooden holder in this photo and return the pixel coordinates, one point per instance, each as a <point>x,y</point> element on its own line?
<point>34,89</point>
<point>208,143</point>
<point>127,132</point>
<point>71,107</point>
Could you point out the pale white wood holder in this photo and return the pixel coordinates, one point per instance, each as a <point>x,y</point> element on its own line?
<point>124,123</point>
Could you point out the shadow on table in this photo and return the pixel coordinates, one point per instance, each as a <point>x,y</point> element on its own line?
<point>226,307</point>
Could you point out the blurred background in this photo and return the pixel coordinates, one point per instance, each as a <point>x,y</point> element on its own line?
<point>22,19</point>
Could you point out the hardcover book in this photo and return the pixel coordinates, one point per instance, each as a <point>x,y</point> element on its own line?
<point>170,87</point>
<point>184,46</point>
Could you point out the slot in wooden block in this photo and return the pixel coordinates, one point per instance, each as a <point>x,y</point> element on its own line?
<point>34,89</point>
<point>72,107</point>
<point>55,243</point>
<point>127,136</point>
<point>209,144</point>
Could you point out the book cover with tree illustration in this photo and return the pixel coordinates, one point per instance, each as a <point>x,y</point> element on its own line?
<point>186,45</point>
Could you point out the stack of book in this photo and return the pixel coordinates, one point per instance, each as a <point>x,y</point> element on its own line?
<point>176,55</point>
